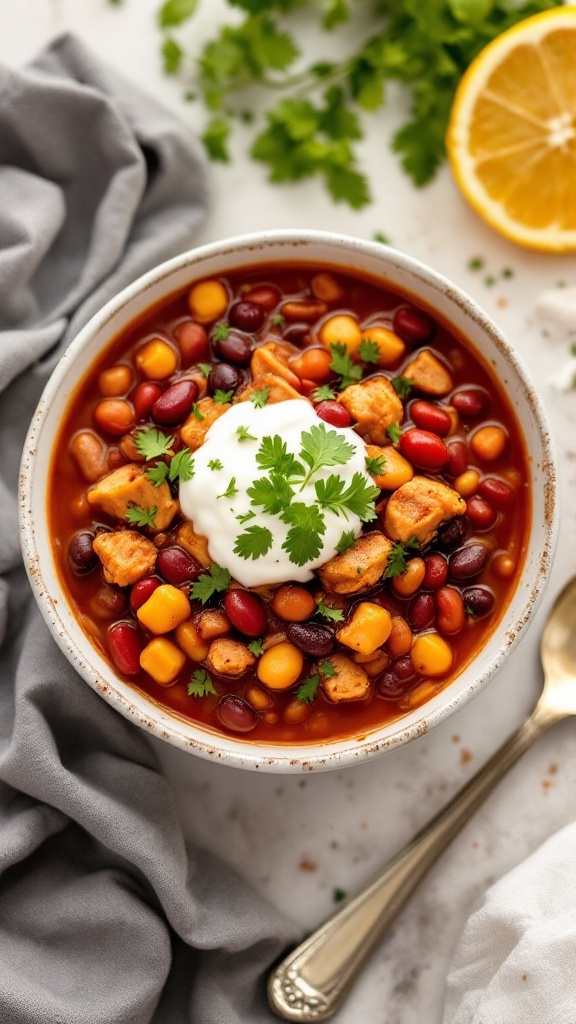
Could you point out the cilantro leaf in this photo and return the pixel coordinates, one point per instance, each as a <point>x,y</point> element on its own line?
<point>152,443</point>
<point>393,432</point>
<point>230,491</point>
<point>303,541</point>
<point>349,372</point>
<point>245,517</point>
<point>182,466</point>
<point>174,12</point>
<point>215,580</point>
<point>375,465</point>
<point>327,669</point>
<point>323,394</point>
<point>402,386</point>
<point>346,541</point>
<point>368,351</point>
<point>259,398</point>
<point>254,542</point>
<point>141,516</point>
<point>323,447</point>
<point>200,684</point>
<point>358,497</point>
<point>221,397</point>
<point>215,139</point>
<point>197,413</point>
<point>272,493</point>
<point>172,54</point>
<point>307,690</point>
<point>215,464</point>
<point>221,332</point>
<point>256,647</point>
<point>244,434</point>
<point>333,614</point>
<point>273,454</point>
<point>206,368</point>
<point>158,473</point>
<point>397,559</point>
<point>278,320</point>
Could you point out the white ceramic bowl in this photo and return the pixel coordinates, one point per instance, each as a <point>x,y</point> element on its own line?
<point>400,272</point>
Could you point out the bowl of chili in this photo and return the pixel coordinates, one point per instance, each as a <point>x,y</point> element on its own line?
<point>288,500</point>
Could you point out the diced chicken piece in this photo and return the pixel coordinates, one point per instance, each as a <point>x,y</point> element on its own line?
<point>212,623</point>
<point>418,508</point>
<point>359,567</point>
<point>273,358</point>
<point>279,390</point>
<point>129,485</point>
<point>194,543</point>
<point>229,657</point>
<point>351,682</point>
<point>428,374</point>
<point>125,556</point>
<point>375,406</point>
<point>397,470</point>
<point>193,430</point>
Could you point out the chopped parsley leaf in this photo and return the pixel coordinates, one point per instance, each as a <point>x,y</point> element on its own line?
<point>215,580</point>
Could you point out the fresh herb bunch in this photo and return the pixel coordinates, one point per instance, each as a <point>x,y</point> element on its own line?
<point>313,127</point>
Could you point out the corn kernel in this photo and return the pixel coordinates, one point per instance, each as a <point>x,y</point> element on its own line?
<point>467,483</point>
<point>207,301</point>
<point>431,655</point>
<point>488,443</point>
<point>408,582</point>
<point>165,609</point>
<point>162,660</point>
<point>191,642</point>
<point>391,348</point>
<point>280,666</point>
<point>341,329</point>
<point>368,628</point>
<point>156,360</point>
<point>397,469</point>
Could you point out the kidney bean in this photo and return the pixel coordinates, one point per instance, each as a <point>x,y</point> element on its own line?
<point>174,405</point>
<point>450,611</point>
<point>435,571</point>
<point>266,295</point>
<point>236,714</point>
<point>90,455</point>
<point>310,638</point>
<point>457,458</point>
<point>247,316</point>
<point>192,341</point>
<point>115,416</point>
<point>424,449</point>
<point>452,535</point>
<point>125,646</point>
<point>421,611</point>
<point>107,603</point>
<point>471,402</point>
<point>430,417</point>
<point>144,397</point>
<point>478,600</point>
<point>334,413</point>
<point>176,565</point>
<point>403,667</point>
<point>245,612</point>
<point>326,287</point>
<point>236,348</point>
<point>224,377</point>
<point>468,561</point>
<point>389,686</point>
<point>412,325</point>
<point>142,590</point>
<point>499,494</point>
<point>298,334</point>
<point>480,513</point>
<point>82,556</point>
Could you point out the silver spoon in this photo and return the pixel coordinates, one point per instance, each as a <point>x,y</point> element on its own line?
<point>311,982</point>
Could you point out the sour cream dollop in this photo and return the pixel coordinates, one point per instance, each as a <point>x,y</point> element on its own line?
<point>204,500</point>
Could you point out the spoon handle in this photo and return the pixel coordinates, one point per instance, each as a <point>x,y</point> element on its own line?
<point>310,983</point>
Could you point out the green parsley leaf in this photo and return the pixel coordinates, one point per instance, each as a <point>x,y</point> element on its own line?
<point>256,647</point>
<point>200,684</point>
<point>199,415</point>
<point>152,444</point>
<point>333,614</point>
<point>323,394</point>
<point>327,669</point>
<point>221,332</point>
<point>348,372</point>
<point>273,454</point>
<point>215,139</point>
<point>141,516</point>
<point>393,432</point>
<point>368,351</point>
<point>245,517</point>
<point>402,386</point>
<point>206,368</point>
<point>278,320</point>
<point>215,464</point>
<point>259,398</point>
<point>307,690</point>
<point>215,580</point>
<point>245,435</point>
<point>172,54</point>
<point>182,466</point>
<point>476,263</point>
<point>323,447</point>
<point>303,541</point>
<point>221,397</point>
<point>254,542</point>
<point>230,491</point>
<point>158,473</point>
<point>379,236</point>
<point>358,497</point>
<point>346,541</point>
<point>397,560</point>
<point>376,465</point>
<point>507,273</point>
<point>174,12</point>
<point>271,493</point>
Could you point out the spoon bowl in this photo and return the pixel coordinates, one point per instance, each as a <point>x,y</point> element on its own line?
<point>558,654</point>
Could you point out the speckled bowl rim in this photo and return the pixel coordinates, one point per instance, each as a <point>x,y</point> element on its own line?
<point>186,735</point>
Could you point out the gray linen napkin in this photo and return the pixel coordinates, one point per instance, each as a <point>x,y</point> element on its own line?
<point>103,917</point>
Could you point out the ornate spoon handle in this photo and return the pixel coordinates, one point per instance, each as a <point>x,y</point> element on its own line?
<point>310,983</point>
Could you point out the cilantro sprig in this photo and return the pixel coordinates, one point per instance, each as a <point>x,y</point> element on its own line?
<point>139,516</point>
<point>398,557</point>
<point>152,443</point>
<point>200,684</point>
<point>214,581</point>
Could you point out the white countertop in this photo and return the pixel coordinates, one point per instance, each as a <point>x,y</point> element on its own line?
<point>297,839</point>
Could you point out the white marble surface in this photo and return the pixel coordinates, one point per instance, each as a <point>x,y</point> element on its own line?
<point>297,839</point>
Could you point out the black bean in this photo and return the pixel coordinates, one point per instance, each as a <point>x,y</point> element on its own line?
<point>236,348</point>
<point>453,534</point>
<point>388,685</point>
<point>81,553</point>
<point>468,562</point>
<point>310,638</point>
<point>224,377</point>
<point>478,600</point>
<point>247,316</point>
<point>236,714</point>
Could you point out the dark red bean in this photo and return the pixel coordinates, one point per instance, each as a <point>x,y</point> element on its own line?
<point>421,611</point>
<point>423,449</point>
<point>457,458</point>
<point>177,566</point>
<point>471,402</point>
<point>389,686</point>
<point>430,417</point>
<point>478,600</point>
<point>81,553</point>
<point>224,377</point>
<point>334,413</point>
<point>175,404</point>
<point>266,295</point>
<point>453,534</point>
<point>412,325</point>
<point>480,513</point>
<point>107,603</point>
<point>192,341</point>
<point>435,571</point>
<point>298,334</point>
<point>499,494</point>
<point>245,612</point>
<point>144,397</point>
<point>311,638</point>
<point>236,348</point>
<point>236,714</point>
<point>247,316</point>
<point>468,561</point>
<point>125,645</point>
<point>142,590</point>
<point>403,667</point>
